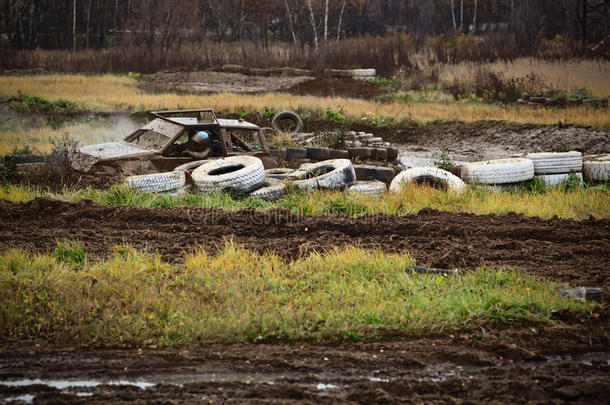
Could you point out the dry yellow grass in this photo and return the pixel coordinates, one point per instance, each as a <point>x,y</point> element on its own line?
<point>112,93</point>
<point>566,75</point>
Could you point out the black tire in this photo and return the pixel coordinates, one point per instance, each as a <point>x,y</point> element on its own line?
<point>318,154</point>
<point>339,154</point>
<point>367,173</point>
<point>287,115</point>
<point>296,154</point>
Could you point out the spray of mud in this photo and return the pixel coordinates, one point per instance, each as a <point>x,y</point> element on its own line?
<point>103,130</point>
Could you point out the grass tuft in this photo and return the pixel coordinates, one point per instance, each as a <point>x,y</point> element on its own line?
<point>70,252</point>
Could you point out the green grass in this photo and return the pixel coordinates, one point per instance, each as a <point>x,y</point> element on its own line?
<point>70,251</point>
<point>534,199</point>
<point>237,295</point>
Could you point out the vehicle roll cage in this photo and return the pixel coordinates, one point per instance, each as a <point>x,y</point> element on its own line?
<point>204,116</point>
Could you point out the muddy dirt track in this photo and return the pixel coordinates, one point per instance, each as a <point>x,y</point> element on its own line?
<point>576,252</point>
<point>514,366</point>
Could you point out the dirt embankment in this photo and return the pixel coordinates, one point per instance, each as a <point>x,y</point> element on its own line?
<point>576,252</point>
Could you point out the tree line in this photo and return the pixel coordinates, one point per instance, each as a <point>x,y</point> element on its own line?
<point>84,24</point>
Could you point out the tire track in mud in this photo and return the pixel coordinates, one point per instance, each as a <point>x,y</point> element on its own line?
<point>572,251</point>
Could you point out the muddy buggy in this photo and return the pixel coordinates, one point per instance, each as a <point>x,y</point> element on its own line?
<point>166,142</point>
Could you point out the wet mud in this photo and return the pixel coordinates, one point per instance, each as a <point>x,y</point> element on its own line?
<point>515,366</point>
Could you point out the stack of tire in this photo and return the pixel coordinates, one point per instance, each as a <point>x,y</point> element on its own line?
<point>498,174</point>
<point>556,167</point>
<point>245,175</point>
<point>236,174</point>
<point>596,168</point>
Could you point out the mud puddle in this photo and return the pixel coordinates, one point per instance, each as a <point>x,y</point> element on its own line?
<point>203,383</point>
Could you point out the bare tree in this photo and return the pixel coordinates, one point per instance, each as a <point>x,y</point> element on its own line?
<point>74,25</point>
<point>313,25</point>
<point>462,15</point>
<point>88,26</point>
<point>340,20</point>
<point>453,15</point>
<point>474,18</point>
<point>326,21</point>
<point>290,25</point>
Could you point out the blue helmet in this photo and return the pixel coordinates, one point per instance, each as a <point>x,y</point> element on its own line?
<point>201,137</point>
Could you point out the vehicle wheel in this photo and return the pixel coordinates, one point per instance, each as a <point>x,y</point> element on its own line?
<point>240,174</point>
<point>374,187</point>
<point>271,190</point>
<point>596,168</point>
<point>279,173</point>
<point>556,179</point>
<point>334,174</point>
<point>190,166</point>
<point>297,123</point>
<point>498,171</point>
<point>431,175</point>
<point>553,163</point>
<point>157,182</point>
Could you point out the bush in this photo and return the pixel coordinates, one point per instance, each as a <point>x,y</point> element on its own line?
<point>492,87</point>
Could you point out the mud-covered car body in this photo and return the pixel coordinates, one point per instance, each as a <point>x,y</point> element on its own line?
<point>159,145</point>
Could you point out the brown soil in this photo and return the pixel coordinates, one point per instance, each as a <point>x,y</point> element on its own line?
<point>216,82</point>
<point>576,252</point>
<point>331,87</point>
<point>506,365</point>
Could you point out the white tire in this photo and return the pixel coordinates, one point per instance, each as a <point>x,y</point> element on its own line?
<point>374,188</point>
<point>557,179</point>
<point>428,174</point>
<point>596,168</point>
<point>240,174</point>
<point>334,174</point>
<point>271,190</point>
<point>278,173</point>
<point>554,163</point>
<point>499,171</point>
<point>353,73</point>
<point>157,182</point>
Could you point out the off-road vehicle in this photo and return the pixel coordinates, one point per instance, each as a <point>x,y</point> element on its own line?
<point>166,142</point>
